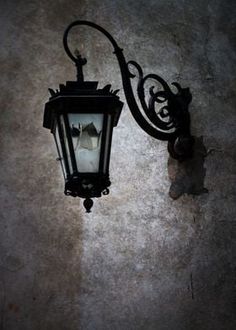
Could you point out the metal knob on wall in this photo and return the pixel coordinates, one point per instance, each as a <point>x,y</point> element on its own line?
<point>81,118</point>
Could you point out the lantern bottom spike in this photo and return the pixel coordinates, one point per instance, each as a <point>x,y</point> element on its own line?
<point>88,203</point>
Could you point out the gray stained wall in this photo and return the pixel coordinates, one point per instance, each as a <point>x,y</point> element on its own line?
<point>140,260</point>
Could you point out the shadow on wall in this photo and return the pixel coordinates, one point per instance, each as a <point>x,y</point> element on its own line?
<point>187,177</point>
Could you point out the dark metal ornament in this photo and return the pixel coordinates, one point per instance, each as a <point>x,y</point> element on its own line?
<point>88,203</point>
<point>76,98</point>
<point>164,116</point>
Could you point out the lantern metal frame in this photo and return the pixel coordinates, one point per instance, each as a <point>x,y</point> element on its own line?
<point>85,97</point>
<point>169,123</point>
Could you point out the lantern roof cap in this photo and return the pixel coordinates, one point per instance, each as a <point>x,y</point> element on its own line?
<point>83,95</point>
<point>82,88</point>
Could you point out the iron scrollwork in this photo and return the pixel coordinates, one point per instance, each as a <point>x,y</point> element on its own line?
<point>171,122</point>
<point>173,117</point>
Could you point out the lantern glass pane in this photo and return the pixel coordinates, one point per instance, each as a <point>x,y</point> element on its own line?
<point>59,150</point>
<point>64,137</point>
<point>86,132</point>
<point>107,145</point>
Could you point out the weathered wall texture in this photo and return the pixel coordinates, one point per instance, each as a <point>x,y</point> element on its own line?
<point>140,260</point>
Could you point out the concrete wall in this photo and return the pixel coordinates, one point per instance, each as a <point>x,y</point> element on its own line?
<point>140,260</point>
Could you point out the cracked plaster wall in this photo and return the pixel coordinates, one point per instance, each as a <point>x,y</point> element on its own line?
<point>140,260</point>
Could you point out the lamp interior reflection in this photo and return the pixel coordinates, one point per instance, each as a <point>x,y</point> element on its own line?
<point>86,132</point>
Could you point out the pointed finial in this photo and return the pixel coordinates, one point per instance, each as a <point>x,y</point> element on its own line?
<point>79,64</point>
<point>82,61</point>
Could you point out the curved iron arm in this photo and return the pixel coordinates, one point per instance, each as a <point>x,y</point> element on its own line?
<point>176,130</point>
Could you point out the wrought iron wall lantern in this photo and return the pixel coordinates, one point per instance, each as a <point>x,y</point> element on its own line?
<point>81,118</point>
